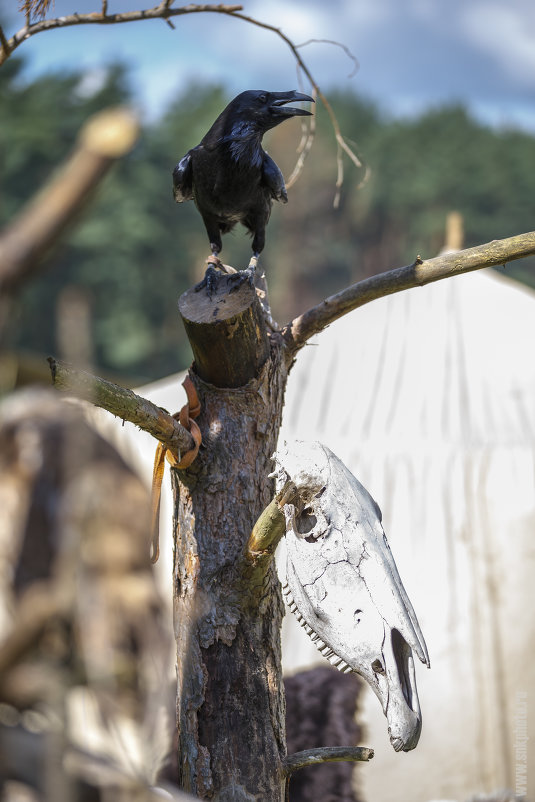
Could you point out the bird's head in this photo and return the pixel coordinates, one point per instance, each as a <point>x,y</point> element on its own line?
<point>265,109</point>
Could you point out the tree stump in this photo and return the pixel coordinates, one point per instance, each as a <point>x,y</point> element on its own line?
<point>230,701</point>
<point>226,331</point>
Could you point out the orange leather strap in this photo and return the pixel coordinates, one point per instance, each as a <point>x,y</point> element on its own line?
<point>189,411</point>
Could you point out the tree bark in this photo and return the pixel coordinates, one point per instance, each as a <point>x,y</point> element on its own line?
<point>230,703</point>
<point>226,331</point>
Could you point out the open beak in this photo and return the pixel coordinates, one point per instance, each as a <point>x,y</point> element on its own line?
<point>278,106</point>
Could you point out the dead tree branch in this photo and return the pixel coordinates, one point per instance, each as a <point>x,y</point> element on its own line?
<point>123,403</point>
<point>160,11</point>
<point>264,539</point>
<point>421,272</point>
<point>325,754</point>
<point>106,137</point>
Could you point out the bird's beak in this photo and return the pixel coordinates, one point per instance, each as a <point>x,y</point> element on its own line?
<point>278,107</point>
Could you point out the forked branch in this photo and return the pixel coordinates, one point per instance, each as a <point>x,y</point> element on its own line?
<point>421,272</point>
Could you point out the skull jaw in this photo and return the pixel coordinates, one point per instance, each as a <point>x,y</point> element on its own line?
<point>348,649</point>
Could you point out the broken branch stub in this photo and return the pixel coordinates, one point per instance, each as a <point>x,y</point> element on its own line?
<point>343,584</point>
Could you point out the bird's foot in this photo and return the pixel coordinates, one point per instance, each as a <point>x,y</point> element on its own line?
<point>209,282</point>
<point>242,276</point>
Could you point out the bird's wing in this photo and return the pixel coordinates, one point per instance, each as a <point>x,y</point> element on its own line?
<point>183,179</point>
<point>272,178</point>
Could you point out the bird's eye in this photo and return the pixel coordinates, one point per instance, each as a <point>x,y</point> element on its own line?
<point>262,98</point>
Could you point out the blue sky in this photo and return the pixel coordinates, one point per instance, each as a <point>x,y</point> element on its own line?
<point>413,54</point>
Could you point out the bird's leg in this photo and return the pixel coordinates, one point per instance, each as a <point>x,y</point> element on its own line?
<point>245,275</point>
<point>214,259</point>
<point>209,282</point>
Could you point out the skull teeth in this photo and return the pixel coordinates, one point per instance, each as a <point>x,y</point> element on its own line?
<point>334,659</point>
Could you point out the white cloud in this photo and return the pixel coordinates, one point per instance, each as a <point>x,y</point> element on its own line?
<point>506,32</point>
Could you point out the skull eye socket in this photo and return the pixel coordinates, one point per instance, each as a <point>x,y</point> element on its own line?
<point>377,667</point>
<point>306,521</point>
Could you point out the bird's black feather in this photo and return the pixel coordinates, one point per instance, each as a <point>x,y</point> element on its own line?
<point>229,175</point>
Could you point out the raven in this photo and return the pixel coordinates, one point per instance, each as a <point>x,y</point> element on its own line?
<point>229,176</point>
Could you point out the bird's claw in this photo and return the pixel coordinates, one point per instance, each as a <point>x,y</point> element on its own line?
<point>239,278</point>
<point>209,282</point>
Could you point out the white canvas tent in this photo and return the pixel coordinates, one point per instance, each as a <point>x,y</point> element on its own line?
<point>428,396</point>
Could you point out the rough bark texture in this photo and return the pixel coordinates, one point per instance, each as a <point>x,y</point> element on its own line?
<point>226,331</point>
<point>230,701</point>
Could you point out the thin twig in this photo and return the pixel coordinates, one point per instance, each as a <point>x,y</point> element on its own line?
<point>37,7</point>
<point>124,403</point>
<point>308,132</point>
<point>325,754</point>
<point>498,252</point>
<point>346,50</point>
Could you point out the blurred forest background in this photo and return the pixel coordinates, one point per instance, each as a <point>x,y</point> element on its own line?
<point>135,251</point>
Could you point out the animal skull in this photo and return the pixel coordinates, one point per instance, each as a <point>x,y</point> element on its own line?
<point>343,584</point>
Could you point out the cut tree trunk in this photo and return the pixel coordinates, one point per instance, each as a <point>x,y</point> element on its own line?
<point>230,702</point>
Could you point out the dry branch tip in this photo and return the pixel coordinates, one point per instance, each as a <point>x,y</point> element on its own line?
<point>325,754</point>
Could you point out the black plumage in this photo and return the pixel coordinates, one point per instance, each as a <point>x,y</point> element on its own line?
<point>229,176</point>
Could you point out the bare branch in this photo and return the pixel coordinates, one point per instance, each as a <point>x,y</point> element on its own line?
<point>271,524</point>
<point>347,51</point>
<point>106,137</point>
<point>161,11</point>
<point>123,403</point>
<point>325,754</point>
<point>308,129</point>
<point>498,252</point>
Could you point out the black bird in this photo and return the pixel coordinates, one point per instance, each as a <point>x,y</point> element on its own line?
<point>229,175</point>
